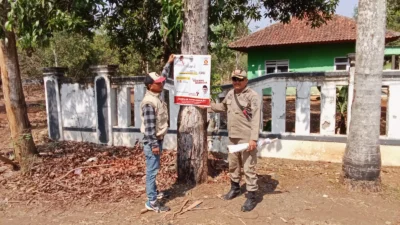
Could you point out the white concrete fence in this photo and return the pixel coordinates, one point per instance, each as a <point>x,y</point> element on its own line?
<point>100,111</point>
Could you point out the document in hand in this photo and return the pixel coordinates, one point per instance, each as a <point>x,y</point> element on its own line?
<point>242,147</point>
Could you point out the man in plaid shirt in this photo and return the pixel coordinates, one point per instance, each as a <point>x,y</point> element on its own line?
<point>154,115</point>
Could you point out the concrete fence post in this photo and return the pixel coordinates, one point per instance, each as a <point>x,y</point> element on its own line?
<point>302,126</point>
<point>52,76</point>
<point>328,108</point>
<point>104,101</point>
<point>393,112</point>
<point>278,107</point>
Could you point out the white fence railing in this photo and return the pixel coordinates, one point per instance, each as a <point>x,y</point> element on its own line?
<point>105,109</point>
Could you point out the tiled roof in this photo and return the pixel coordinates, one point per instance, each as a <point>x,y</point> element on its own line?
<point>338,29</point>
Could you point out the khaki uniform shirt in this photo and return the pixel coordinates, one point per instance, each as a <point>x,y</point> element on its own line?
<point>238,125</point>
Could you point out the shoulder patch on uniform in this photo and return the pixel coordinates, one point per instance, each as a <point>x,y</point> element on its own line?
<point>255,104</point>
<point>255,99</point>
<point>229,95</point>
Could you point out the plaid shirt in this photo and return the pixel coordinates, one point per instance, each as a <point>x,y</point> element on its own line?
<point>165,71</point>
<point>149,115</point>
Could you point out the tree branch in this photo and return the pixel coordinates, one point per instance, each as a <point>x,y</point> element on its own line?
<point>8,161</point>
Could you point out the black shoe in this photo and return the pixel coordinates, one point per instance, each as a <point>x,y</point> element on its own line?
<point>234,192</point>
<point>250,202</point>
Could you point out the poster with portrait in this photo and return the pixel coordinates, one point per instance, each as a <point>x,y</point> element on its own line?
<point>192,76</point>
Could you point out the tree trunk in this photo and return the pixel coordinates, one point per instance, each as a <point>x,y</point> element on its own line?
<point>192,128</point>
<point>362,159</point>
<point>14,100</point>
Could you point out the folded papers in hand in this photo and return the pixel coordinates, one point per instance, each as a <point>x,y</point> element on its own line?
<point>242,147</point>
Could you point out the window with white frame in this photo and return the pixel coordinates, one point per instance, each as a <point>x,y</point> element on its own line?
<point>276,66</point>
<point>341,63</point>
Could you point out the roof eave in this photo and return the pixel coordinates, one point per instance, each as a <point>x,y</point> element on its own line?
<point>248,48</point>
<point>391,39</point>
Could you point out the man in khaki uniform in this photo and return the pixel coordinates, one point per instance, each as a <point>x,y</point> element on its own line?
<point>243,113</point>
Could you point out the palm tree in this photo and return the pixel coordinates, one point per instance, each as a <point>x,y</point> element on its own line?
<point>362,158</point>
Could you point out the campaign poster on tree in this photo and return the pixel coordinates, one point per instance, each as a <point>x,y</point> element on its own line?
<point>192,75</point>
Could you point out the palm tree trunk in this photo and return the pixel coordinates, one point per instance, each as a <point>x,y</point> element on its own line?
<point>192,128</point>
<point>14,99</point>
<point>362,158</point>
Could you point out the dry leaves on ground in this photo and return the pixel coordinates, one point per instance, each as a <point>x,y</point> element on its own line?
<point>72,170</point>
<point>85,171</point>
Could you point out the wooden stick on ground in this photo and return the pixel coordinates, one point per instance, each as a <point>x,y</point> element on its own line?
<point>13,201</point>
<point>144,211</point>
<point>242,221</point>
<point>183,205</point>
<point>8,161</point>
<point>187,200</point>
<point>83,167</point>
<point>166,214</point>
<point>203,208</point>
<point>196,203</point>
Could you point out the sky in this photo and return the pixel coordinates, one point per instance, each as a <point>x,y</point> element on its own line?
<point>345,8</point>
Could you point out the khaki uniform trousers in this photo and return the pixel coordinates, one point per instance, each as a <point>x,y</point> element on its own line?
<point>247,161</point>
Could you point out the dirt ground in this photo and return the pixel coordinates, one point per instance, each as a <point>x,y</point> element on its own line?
<point>290,192</point>
<point>36,103</point>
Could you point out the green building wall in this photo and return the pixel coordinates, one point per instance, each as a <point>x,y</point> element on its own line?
<point>302,58</point>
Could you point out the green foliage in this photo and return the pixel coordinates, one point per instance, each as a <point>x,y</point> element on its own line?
<point>225,60</point>
<point>72,51</point>
<point>105,54</point>
<point>21,138</point>
<point>101,51</point>
<point>393,15</point>
<point>341,106</point>
<point>393,18</point>
<point>341,99</point>
<point>315,12</point>
<point>137,34</point>
<point>136,25</point>
<point>30,66</point>
<point>34,21</point>
<point>78,53</point>
<point>171,26</point>
<point>67,50</point>
<point>232,11</point>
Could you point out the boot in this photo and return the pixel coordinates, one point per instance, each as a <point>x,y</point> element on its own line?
<point>234,192</point>
<point>250,202</point>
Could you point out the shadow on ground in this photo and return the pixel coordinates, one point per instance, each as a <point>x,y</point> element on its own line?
<point>218,167</point>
